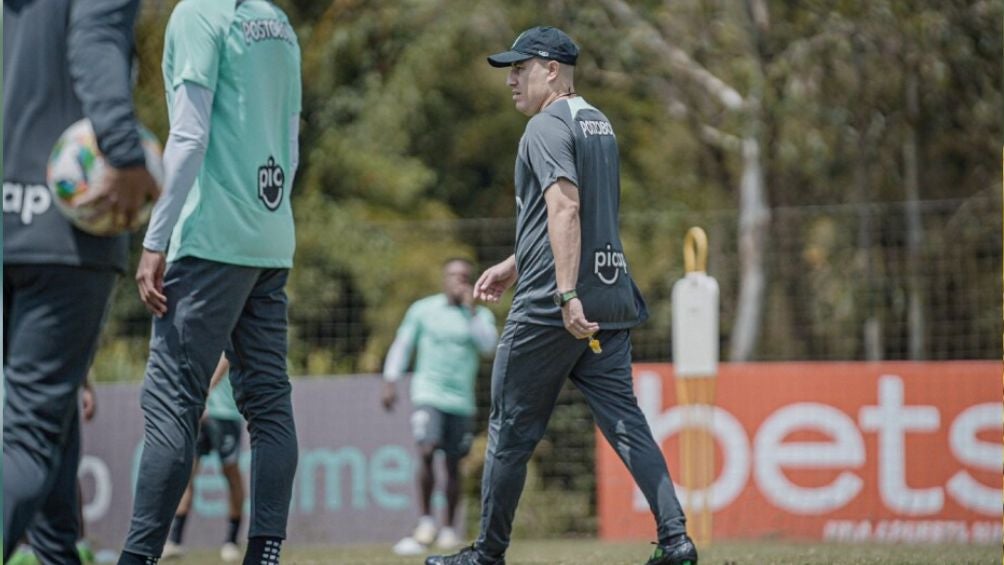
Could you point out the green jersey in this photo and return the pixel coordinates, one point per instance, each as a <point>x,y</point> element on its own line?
<point>449,339</point>
<point>220,404</point>
<point>246,53</point>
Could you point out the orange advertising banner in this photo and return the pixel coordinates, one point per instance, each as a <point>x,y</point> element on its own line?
<point>891,451</point>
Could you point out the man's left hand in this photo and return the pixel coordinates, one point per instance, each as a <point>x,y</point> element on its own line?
<point>388,396</point>
<point>575,320</point>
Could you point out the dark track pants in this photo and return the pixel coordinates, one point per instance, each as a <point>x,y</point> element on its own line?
<point>214,307</point>
<point>52,317</point>
<point>530,368</point>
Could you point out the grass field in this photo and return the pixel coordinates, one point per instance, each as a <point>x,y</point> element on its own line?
<point>576,552</point>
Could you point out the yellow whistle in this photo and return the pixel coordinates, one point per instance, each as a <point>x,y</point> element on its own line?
<point>594,344</point>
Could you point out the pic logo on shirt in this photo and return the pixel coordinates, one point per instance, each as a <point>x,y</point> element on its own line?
<point>271,182</point>
<point>608,264</point>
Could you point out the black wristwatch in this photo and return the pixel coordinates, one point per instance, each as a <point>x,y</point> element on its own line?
<point>562,298</point>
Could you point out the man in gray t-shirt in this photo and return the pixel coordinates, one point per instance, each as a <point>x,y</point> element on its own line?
<point>573,284</point>
<point>62,60</point>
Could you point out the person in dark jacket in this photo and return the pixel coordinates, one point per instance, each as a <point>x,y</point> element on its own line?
<point>63,60</point>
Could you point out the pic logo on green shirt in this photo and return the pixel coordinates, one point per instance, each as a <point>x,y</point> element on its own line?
<point>271,179</point>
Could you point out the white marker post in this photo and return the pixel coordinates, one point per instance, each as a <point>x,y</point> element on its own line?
<point>695,365</point>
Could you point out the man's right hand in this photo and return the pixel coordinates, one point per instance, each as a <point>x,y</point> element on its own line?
<point>150,281</point>
<point>88,402</point>
<point>389,395</point>
<point>495,281</point>
<point>122,192</point>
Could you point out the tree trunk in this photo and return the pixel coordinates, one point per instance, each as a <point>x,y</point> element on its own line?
<point>914,227</point>
<point>754,212</point>
<point>754,217</point>
<point>871,331</point>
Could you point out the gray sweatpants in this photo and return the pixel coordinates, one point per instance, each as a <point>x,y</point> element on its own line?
<point>530,368</point>
<point>52,317</point>
<point>215,307</point>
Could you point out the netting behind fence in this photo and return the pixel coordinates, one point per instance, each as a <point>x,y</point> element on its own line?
<point>843,282</point>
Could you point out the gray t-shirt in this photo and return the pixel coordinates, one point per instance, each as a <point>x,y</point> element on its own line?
<point>573,140</point>
<point>62,60</point>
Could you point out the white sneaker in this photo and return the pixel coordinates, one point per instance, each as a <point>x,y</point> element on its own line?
<point>230,552</point>
<point>408,546</point>
<point>425,531</point>
<point>447,539</point>
<point>172,551</point>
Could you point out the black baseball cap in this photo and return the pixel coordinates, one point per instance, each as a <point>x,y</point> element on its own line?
<point>542,41</point>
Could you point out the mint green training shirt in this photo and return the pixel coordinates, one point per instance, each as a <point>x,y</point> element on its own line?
<point>246,53</point>
<point>220,404</point>
<point>448,340</point>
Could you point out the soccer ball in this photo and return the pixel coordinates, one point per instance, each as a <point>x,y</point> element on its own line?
<point>76,164</point>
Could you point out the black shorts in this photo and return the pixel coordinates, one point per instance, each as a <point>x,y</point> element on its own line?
<point>221,436</point>
<point>450,433</point>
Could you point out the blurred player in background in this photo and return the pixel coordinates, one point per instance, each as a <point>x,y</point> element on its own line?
<point>572,285</point>
<point>220,431</point>
<point>62,61</point>
<point>449,333</point>
<point>232,74</point>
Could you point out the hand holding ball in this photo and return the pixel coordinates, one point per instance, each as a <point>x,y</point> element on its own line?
<point>95,197</point>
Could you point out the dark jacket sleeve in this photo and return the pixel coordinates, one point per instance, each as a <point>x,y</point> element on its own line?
<point>100,48</point>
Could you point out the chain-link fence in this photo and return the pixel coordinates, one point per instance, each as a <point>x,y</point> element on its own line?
<point>843,282</point>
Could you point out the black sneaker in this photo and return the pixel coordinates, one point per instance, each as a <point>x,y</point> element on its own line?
<point>467,556</point>
<point>680,551</point>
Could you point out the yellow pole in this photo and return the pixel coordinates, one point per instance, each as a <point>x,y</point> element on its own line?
<point>697,396</point>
